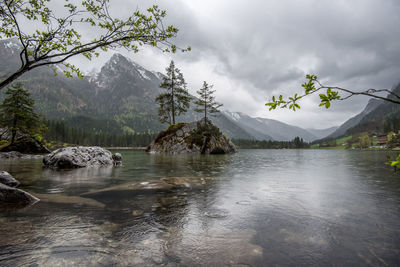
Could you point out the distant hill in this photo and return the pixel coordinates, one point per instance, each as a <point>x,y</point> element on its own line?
<point>120,99</point>
<point>382,119</point>
<point>352,122</point>
<point>267,129</point>
<point>378,117</point>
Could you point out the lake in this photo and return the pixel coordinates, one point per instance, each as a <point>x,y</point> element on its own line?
<point>259,208</point>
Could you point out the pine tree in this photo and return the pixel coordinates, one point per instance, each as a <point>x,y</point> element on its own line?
<point>206,103</point>
<point>17,114</point>
<point>177,99</point>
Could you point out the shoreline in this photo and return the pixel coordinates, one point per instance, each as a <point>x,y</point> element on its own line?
<point>126,148</point>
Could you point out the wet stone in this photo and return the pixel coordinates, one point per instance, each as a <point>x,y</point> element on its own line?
<point>13,197</point>
<point>7,179</point>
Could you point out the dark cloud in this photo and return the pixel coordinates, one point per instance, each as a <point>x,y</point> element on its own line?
<point>258,48</point>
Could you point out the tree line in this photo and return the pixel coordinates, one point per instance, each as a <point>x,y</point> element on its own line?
<point>58,132</point>
<point>297,142</point>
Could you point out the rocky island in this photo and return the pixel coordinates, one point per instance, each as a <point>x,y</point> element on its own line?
<point>200,137</point>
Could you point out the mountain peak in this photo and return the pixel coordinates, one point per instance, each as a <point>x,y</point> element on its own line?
<point>121,71</point>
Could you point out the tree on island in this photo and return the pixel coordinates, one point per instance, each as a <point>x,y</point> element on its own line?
<point>177,99</point>
<point>57,34</point>
<point>17,113</point>
<point>205,102</point>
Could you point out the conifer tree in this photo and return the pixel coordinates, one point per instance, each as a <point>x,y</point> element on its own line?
<point>177,99</point>
<point>17,114</point>
<point>206,103</point>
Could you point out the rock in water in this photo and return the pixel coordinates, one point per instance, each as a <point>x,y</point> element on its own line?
<point>7,179</point>
<point>117,158</point>
<point>10,196</point>
<point>78,157</point>
<point>201,137</point>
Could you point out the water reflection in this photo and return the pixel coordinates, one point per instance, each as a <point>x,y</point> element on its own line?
<point>271,207</point>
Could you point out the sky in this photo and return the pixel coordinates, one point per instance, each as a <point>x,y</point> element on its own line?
<point>254,49</point>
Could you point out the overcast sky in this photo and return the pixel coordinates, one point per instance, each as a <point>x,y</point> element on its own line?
<point>253,49</point>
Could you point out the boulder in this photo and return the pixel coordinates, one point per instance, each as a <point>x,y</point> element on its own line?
<point>78,157</point>
<point>117,158</point>
<point>201,137</point>
<point>7,179</point>
<point>10,196</point>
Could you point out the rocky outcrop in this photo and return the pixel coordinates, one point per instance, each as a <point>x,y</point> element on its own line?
<point>23,144</point>
<point>7,179</point>
<point>78,157</point>
<point>11,197</point>
<point>201,137</point>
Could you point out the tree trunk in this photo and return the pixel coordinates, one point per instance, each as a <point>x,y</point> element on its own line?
<point>13,134</point>
<point>173,103</point>
<point>14,130</point>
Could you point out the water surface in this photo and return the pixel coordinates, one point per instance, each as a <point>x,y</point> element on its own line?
<point>262,207</point>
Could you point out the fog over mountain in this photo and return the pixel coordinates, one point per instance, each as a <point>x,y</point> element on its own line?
<point>251,50</point>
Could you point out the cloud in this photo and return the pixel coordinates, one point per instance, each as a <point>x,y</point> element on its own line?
<point>253,49</point>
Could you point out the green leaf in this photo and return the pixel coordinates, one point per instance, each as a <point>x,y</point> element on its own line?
<point>327,104</point>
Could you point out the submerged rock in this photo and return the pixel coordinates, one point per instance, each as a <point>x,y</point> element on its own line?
<point>164,184</point>
<point>70,200</point>
<point>201,137</point>
<point>16,198</point>
<point>78,157</point>
<point>18,155</point>
<point>7,179</point>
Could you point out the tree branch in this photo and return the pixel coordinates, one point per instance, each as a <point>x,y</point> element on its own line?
<point>331,94</point>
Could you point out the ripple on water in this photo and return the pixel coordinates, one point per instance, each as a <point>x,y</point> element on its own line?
<point>217,213</point>
<point>244,203</point>
<point>55,190</point>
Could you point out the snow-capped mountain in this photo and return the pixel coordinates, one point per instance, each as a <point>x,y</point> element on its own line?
<point>120,98</point>
<point>266,129</point>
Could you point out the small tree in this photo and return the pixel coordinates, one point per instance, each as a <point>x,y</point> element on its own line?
<point>177,99</point>
<point>365,141</point>
<point>17,114</point>
<point>206,103</point>
<point>391,139</point>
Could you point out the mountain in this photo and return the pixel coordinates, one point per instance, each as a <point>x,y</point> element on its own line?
<point>382,119</point>
<point>267,129</point>
<point>352,122</point>
<point>120,99</point>
<point>322,133</point>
